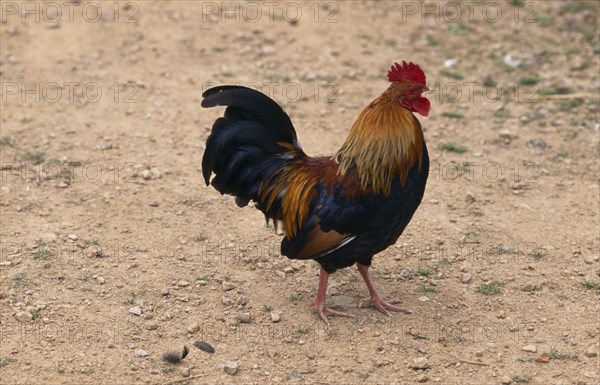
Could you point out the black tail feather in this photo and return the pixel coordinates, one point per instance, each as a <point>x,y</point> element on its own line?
<point>244,147</point>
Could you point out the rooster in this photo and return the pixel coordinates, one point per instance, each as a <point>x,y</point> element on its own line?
<point>338,210</point>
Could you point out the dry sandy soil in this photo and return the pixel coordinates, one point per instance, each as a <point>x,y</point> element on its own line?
<point>104,213</point>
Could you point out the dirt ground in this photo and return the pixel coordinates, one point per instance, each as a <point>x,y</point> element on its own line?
<point>114,252</point>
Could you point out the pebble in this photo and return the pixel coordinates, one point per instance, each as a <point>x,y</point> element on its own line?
<point>529,288</point>
<point>275,316</point>
<point>244,318</point>
<point>588,259</point>
<point>288,270</point>
<point>23,316</point>
<point>502,314</point>
<point>466,278</point>
<point>151,325</point>
<point>591,374</point>
<point>529,348</point>
<point>419,363</point>
<point>230,367</point>
<point>591,352</point>
<point>227,286</point>
<point>183,284</point>
<point>241,300</point>
<point>136,310</point>
<point>423,299</point>
<point>505,380</point>
<point>225,300</point>
<point>73,237</point>
<point>543,358</point>
<point>48,237</point>
<point>193,328</point>
<point>344,301</point>
<point>146,174</point>
<point>165,291</point>
<point>185,372</point>
<point>101,280</point>
<point>422,378</point>
<point>141,353</point>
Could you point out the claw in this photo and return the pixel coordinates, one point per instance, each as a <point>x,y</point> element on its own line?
<point>324,311</point>
<point>376,301</point>
<point>383,305</point>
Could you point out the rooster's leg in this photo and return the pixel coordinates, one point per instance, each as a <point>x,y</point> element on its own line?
<point>376,300</point>
<point>319,304</point>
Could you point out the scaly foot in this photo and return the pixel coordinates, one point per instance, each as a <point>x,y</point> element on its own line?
<point>383,305</point>
<point>324,311</point>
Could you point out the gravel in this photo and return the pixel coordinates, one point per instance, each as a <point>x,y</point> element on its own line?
<point>230,367</point>
<point>420,363</point>
<point>141,353</point>
<point>136,310</point>
<point>529,348</point>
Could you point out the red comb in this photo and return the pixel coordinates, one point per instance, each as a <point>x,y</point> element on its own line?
<point>407,72</point>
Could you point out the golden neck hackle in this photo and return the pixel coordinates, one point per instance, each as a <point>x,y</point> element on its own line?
<point>385,141</point>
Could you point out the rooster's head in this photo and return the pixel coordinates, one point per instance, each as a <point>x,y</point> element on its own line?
<point>413,82</point>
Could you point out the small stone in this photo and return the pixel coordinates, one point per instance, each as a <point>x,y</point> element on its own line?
<point>154,204</point>
<point>502,314</point>
<point>591,352</point>
<point>505,380</point>
<point>344,301</point>
<point>141,353</point>
<point>466,278</point>
<point>241,300</point>
<point>193,328</point>
<point>529,348</point>
<point>73,237</point>
<point>48,237</point>
<point>227,286</point>
<point>151,325</point>
<point>591,374</point>
<point>288,270</point>
<point>155,173</point>
<point>24,316</point>
<point>275,316</point>
<point>136,310</point>
<point>185,372</point>
<point>244,318</point>
<point>406,274</point>
<point>479,353</point>
<point>420,363</point>
<point>423,299</point>
<point>101,280</point>
<point>165,291</point>
<point>146,174</point>
<point>588,259</point>
<point>422,378</point>
<point>183,284</point>
<point>225,300</point>
<point>230,367</point>
<point>543,358</point>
